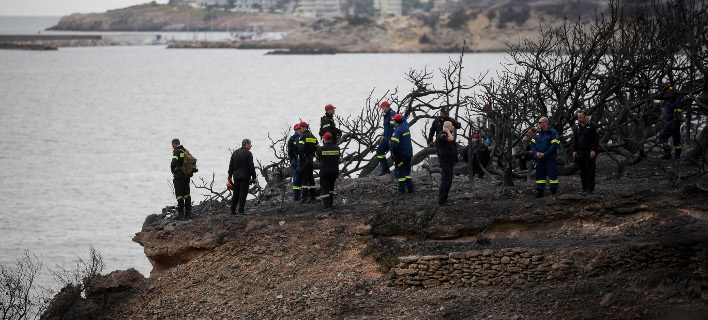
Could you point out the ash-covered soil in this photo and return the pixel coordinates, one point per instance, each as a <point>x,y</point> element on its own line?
<point>286,260</point>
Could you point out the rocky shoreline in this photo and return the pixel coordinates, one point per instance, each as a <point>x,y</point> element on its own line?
<point>635,249</point>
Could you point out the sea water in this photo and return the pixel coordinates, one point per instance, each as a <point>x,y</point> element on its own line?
<point>85,132</point>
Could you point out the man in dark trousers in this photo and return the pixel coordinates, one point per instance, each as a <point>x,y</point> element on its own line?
<point>180,180</point>
<point>385,142</point>
<point>329,168</point>
<point>307,146</point>
<point>437,127</point>
<point>243,171</point>
<point>402,151</point>
<point>674,117</point>
<point>447,154</point>
<point>544,146</point>
<point>585,141</point>
<point>293,144</point>
<point>327,124</point>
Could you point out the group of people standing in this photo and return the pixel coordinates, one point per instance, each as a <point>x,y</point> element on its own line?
<point>303,147</point>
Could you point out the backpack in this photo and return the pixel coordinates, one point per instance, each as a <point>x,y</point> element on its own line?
<point>189,165</point>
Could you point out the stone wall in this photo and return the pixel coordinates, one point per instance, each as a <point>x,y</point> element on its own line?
<point>528,267</point>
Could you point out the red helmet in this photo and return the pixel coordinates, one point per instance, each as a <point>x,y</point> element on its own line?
<point>384,104</point>
<point>303,124</point>
<point>329,107</point>
<point>398,117</point>
<point>297,126</point>
<point>326,136</point>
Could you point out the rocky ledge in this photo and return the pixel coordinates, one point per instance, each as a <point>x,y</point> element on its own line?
<point>635,249</point>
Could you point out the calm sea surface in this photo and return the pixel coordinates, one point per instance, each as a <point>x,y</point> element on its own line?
<point>85,132</point>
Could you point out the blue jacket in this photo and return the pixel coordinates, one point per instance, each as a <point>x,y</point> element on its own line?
<point>546,142</point>
<point>388,123</point>
<point>674,112</point>
<point>401,142</point>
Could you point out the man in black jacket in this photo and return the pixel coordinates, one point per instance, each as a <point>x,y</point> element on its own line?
<point>329,168</point>
<point>585,141</point>
<point>180,180</point>
<point>307,146</point>
<point>327,124</point>
<point>436,129</point>
<point>447,154</point>
<point>243,171</point>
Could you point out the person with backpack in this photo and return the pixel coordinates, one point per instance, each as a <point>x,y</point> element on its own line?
<point>241,168</point>
<point>180,178</point>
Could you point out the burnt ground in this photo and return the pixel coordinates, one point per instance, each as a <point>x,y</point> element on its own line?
<point>299,261</point>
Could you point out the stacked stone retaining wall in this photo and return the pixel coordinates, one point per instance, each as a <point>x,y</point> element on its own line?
<point>528,267</point>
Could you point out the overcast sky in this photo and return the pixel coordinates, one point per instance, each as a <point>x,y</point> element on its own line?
<point>62,7</point>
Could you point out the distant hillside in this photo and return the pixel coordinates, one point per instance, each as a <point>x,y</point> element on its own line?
<point>155,17</point>
<point>484,28</point>
<point>486,25</point>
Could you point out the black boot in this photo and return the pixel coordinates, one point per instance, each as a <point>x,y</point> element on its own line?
<point>539,193</point>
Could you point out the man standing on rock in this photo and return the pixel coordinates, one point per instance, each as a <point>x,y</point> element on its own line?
<point>329,168</point>
<point>402,151</point>
<point>544,146</point>
<point>585,141</point>
<point>293,144</point>
<point>447,153</point>
<point>327,124</point>
<point>307,146</point>
<point>241,168</point>
<point>180,180</point>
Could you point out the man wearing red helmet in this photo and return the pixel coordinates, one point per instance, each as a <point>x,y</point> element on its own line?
<point>329,168</point>
<point>307,146</point>
<point>293,144</point>
<point>402,151</point>
<point>327,124</point>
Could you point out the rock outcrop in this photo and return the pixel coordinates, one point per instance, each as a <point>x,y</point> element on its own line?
<point>636,249</point>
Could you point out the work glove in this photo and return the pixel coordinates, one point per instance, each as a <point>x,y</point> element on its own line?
<point>431,144</point>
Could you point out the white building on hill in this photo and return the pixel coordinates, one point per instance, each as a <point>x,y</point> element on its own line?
<point>389,8</point>
<point>319,8</point>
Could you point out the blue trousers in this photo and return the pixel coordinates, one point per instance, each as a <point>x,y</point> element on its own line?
<point>381,151</point>
<point>402,171</point>
<point>675,135</point>
<point>297,186</point>
<point>546,168</point>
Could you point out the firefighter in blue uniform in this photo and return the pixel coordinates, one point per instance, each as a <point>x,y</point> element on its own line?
<point>307,146</point>
<point>544,146</point>
<point>674,118</point>
<point>402,151</point>
<point>180,180</point>
<point>292,154</point>
<point>385,142</point>
<point>329,168</point>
